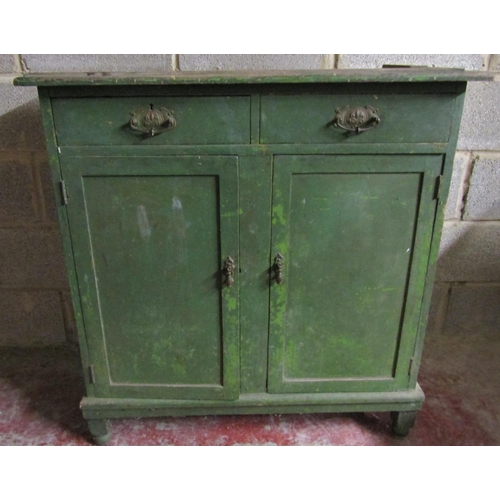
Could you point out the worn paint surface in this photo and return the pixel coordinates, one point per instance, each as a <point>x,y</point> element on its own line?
<point>200,120</point>
<point>233,77</point>
<point>282,114</point>
<point>150,236</point>
<point>255,237</point>
<point>144,204</point>
<point>355,234</point>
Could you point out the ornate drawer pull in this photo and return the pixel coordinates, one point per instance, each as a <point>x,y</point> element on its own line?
<point>356,119</point>
<point>279,262</point>
<point>229,271</point>
<point>152,121</point>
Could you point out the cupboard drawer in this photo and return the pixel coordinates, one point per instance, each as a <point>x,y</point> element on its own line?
<point>196,120</point>
<point>309,119</point>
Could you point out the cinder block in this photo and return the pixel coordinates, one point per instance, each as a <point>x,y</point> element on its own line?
<point>229,62</point>
<point>49,200</point>
<point>437,311</point>
<point>470,251</point>
<point>454,202</point>
<point>480,125</point>
<point>31,318</point>
<point>20,120</point>
<point>495,62</point>
<point>466,61</point>
<point>60,63</point>
<point>483,200</point>
<point>32,258</point>
<point>7,64</point>
<point>474,310</point>
<point>17,191</point>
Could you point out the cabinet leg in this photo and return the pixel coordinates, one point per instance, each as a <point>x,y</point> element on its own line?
<point>402,422</point>
<point>100,429</point>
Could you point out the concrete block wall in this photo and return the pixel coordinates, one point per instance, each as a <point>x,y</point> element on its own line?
<point>35,307</point>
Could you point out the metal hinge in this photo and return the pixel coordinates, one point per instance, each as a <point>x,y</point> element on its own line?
<point>91,374</point>
<point>64,193</point>
<point>409,367</point>
<point>437,188</point>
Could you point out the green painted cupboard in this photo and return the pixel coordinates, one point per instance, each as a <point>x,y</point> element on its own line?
<point>251,243</point>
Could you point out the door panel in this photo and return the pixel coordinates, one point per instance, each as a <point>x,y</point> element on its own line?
<point>354,232</point>
<point>150,238</point>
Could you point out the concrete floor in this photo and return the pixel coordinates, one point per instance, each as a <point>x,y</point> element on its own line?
<point>40,391</point>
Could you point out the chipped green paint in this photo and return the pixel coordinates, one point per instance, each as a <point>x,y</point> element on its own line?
<point>205,120</point>
<point>279,310</point>
<point>282,248</point>
<point>179,370</point>
<point>156,320</point>
<point>345,297</point>
<point>316,112</point>
<point>257,77</point>
<point>231,304</point>
<point>278,216</point>
<point>232,214</point>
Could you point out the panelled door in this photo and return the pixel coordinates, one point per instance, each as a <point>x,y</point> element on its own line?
<point>350,243</point>
<point>151,236</point>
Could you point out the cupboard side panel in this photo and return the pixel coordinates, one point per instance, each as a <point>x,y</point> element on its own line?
<point>64,226</point>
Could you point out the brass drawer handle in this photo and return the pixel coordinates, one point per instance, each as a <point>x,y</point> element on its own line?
<point>229,271</point>
<point>152,121</point>
<point>279,262</point>
<point>356,119</point>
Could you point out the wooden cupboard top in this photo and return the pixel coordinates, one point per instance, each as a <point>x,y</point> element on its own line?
<point>416,74</point>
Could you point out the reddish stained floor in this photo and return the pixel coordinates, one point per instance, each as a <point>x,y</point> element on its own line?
<point>40,391</point>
